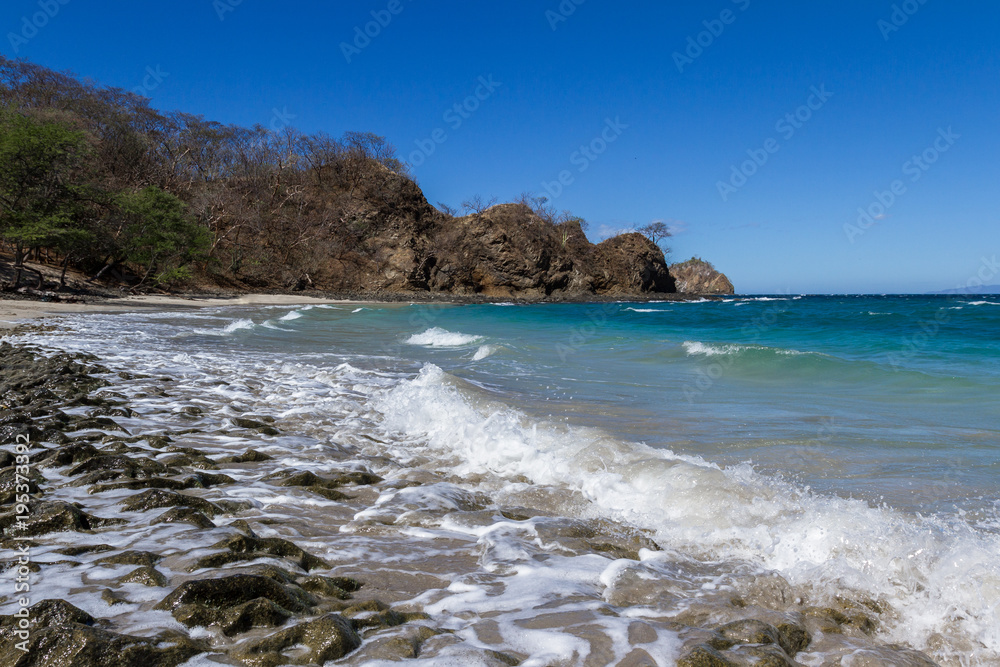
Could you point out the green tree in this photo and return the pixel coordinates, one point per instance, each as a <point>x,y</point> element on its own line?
<point>40,198</point>
<point>156,235</point>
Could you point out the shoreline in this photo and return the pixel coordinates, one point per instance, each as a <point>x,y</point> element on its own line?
<point>18,311</point>
<point>345,535</point>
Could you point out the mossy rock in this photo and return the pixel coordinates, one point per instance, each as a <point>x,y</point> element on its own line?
<point>147,576</point>
<point>68,455</point>
<point>10,480</point>
<point>249,456</point>
<point>77,645</point>
<point>335,587</point>
<point>131,557</point>
<point>229,592</point>
<point>251,547</point>
<point>704,656</point>
<point>154,498</point>
<point>87,549</point>
<point>53,516</point>
<point>184,515</point>
<point>329,637</point>
<point>135,466</point>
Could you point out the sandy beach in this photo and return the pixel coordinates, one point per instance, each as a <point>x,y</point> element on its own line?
<point>15,311</point>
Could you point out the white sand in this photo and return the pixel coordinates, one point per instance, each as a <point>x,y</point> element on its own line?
<point>13,312</point>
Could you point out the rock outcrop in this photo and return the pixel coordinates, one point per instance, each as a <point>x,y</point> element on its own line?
<point>509,251</point>
<point>696,276</point>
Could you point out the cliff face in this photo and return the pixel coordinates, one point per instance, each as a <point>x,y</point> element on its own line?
<point>505,251</point>
<point>697,276</point>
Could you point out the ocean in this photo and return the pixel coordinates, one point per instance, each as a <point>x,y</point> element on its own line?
<point>842,449</point>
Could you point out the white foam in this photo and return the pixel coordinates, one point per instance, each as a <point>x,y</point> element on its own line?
<point>927,569</point>
<point>239,325</point>
<point>485,351</point>
<point>438,337</point>
<point>294,315</point>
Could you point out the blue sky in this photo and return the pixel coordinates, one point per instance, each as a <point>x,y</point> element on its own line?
<point>667,99</point>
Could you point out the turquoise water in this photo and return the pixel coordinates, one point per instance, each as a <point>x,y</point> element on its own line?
<point>891,399</point>
<point>844,443</point>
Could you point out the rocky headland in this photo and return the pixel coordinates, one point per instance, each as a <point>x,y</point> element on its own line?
<point>696,276</point>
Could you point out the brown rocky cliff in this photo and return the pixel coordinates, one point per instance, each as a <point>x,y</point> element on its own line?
<point>509,251</point>
<point>697,276</point>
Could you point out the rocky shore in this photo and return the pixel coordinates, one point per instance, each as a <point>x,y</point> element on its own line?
<point>133,533</point>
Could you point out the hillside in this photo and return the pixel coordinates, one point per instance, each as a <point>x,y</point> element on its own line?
<point>97,181</point>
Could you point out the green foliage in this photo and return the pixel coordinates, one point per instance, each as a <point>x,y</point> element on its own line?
<point>41,200</point>
<point>157,234</point>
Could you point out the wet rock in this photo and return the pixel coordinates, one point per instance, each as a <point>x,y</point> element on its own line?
<point>849,622</point>
<point>145,558</point>
<point>89,549</point>
<point>249,456</point>
<point>136,484</point>
<point>155,498</point>
<point>259,613</point>
<point>250,547</point>
<point>79,645</point>
<point>329,637</point>
<point>98,424</point>
<point>353,478</point>
<point>204,480</point>
<point>209,599</point>
<point>404,646</point>
<point>10,480</point>
<point>253,424</point>
<point>113,598</point>
<point>793,637</point>
<point>147,576</point>
<point>335,587</point>
<point>373,614</point>
<point>68,455</point>
<point>704,656</point>
<point>53,516</point>
<point>234,506</point>
<point>748,632</point>
<point>184,515</point>
<point>136,467</point>
<point>58,612</point>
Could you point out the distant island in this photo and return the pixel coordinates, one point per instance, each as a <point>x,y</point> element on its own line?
<point>100,188</point>
<point>971,291</point>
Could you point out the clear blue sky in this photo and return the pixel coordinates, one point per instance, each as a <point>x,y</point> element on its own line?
<point>895,94</point>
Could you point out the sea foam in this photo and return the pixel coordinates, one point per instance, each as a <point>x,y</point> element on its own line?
<point>438,337</point>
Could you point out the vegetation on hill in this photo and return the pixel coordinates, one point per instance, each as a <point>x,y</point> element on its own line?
<point>94,178</point>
